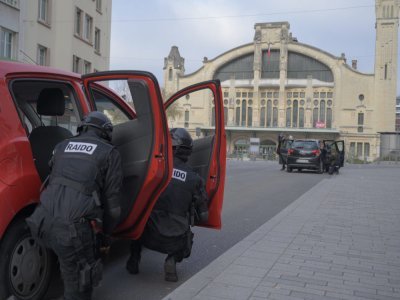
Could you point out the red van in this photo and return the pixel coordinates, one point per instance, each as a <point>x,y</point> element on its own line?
<point>40,106</point>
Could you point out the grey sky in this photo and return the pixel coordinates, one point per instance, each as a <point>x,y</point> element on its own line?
<point>144,31</point>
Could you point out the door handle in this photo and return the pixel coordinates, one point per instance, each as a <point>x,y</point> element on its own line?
<point>160,155</point>
<point>213,176</point>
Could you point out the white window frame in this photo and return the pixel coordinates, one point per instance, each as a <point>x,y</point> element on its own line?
<point>42,55</point>
<point>99,5</point>
<point>76,64</point>
<point>97,39</point>
<point>13,3</point>
<point>87,67</point>
<point>44,11</point>
<point>7,38</point>
<point>78,21</point>
<point>87,27</point>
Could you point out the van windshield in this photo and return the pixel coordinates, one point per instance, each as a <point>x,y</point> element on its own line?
<point>306,145</point>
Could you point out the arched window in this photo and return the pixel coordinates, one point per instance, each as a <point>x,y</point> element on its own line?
<point>329,117</point>
<point>275,117</point>
<point>295,112</point>
<point>244,113</point>
<point>239,68</point>
<point>225,115</point>
<point>300,66</point>
<point>250,117</point>
<point>301,117</point>
<point>269,113</point>
<point>237,120</point>
<point>288,117</point>
<point>262,116</point>
<point>360,122</point>
<point>170,74</point>
<point>315,117</point>
<point>322,111</point>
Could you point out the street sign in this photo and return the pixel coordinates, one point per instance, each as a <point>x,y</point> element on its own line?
<point>320,124</point>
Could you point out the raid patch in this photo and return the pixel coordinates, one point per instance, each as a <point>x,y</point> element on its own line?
<point>179,174</point>
<point>75,147</point>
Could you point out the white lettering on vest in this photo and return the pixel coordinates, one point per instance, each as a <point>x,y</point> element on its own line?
<point>80,148</point>
<point>179,174</point>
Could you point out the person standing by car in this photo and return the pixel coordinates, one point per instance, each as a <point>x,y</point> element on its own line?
<point>281,141</point>
<point>323,150</point>
<point>334,160</point>
<point>83,186</point>
<point>181,205</point>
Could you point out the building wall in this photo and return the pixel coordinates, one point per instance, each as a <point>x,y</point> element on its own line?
<point>9,21</point>
<point>56,32</point>
<point>360,105</point>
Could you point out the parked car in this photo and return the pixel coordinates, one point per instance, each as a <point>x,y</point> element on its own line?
<point>307,154</point>
<point>32,123</point>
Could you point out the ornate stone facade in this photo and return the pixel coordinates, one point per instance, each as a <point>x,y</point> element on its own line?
<point>277,84</point>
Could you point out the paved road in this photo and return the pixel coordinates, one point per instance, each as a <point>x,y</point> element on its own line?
<point>339,240</point>
<point>254,193</point>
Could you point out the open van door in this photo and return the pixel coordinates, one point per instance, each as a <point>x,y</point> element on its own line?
<point>133,102</point>
<point>199,109</point>
<point>340,146</point>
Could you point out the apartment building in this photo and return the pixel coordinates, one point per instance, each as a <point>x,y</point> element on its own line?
<point>70,35</point>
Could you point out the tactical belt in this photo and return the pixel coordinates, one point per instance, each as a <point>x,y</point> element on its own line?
<point>90,191</point>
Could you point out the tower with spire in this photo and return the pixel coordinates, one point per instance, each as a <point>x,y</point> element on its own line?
<point>174,67</point>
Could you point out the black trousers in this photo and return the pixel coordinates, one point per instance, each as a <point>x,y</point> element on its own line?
<point>179,247</point>
<point>282,160</point>
<point>64,244</point>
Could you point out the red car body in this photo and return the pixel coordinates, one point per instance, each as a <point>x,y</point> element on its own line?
<point>19,179</point>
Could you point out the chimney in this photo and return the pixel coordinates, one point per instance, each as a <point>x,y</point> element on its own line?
<point>354,64</point>
<point>343,56</point>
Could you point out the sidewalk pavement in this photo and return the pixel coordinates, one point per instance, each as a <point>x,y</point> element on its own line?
<point>340,240</point>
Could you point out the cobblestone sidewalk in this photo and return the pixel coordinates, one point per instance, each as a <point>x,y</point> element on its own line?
<point>340,240</point>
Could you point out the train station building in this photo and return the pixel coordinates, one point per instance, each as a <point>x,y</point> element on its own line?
<point>276,84</point>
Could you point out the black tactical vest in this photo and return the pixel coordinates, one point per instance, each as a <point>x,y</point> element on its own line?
<point>78,164</point>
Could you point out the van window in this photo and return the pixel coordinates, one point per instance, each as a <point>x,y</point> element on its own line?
<point>110,108</point>
<point>306,145</point>
<point>26,94</point>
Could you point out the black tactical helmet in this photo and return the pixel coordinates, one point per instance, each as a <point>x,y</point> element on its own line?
<point>100,121</point>
<point>181,138</point>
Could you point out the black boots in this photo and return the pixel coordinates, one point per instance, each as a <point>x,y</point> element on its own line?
<point>170,269</point>
<point>132,265</point>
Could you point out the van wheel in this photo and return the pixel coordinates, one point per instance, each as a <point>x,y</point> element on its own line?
<point>25,265</point>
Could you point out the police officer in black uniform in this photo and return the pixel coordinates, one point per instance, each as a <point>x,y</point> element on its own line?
<point>181,205</point>
<point>83,188</point>
<point>281,140</point>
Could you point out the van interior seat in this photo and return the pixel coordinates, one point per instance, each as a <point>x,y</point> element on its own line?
<point>200,159</point>
<point>43,139</point>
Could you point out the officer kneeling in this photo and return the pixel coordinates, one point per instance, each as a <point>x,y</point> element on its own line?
<point>83,186</point>
<point>181,205</point>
